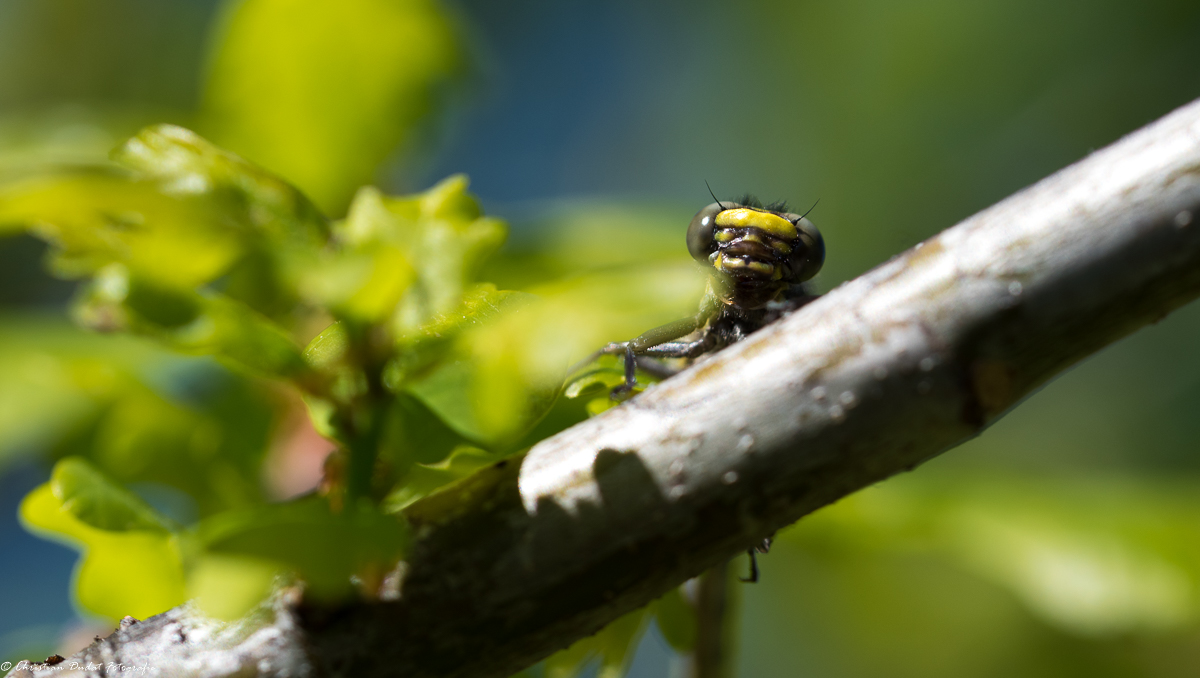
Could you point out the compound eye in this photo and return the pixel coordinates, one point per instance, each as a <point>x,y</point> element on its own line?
<point>700,232</point>
<point>808,258</point>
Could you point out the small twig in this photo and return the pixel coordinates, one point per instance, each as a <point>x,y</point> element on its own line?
<point>711,656</point>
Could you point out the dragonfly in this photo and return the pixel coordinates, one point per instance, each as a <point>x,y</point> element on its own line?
<point>760,259</point>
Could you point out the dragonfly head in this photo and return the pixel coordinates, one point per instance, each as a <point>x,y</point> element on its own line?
<point>756,246</point>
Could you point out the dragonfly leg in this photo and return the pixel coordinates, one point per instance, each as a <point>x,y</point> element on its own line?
<point>753,578</point>
<point>669,349</point>
<point>655,368</point>
<point>660,342</point>
<point>762,547</point>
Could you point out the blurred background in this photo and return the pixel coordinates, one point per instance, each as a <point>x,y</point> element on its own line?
<point>1065,541</point>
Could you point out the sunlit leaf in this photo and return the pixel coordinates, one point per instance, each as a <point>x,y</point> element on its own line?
<point>442,234</point>
<point>594,382</point>
<point>416,434</point>
<point>137,412</point>
<point>482,386</point>
<point>136,571</point>
<point>323,92</point>
<point>364,283</point>
<point>278,228</point>
<point>184,164</point>
<point>227,587</point>
<point>325,549</point>
<point>95,500</point>
<point>98,217</point>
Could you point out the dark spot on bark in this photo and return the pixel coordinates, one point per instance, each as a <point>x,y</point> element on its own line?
<point>55,659</point>
<point>990,390</point>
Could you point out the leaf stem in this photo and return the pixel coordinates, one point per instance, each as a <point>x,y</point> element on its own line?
<point>366,416</point>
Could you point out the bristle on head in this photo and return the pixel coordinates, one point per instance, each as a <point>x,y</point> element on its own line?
<point>749,201</point>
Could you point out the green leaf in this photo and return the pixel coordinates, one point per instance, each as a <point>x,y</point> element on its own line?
<point>416,434</point>
<point>486,384</point>
<point>422,480</point>
<point>676,621</point>
<point>227,587</point>
<point>363,283</point>
<point>328,350</point>
<point>323,548</point>
<point>329,354</point>
<point>133,570</point>
<point>258,203</point>
<point>54,377</point>
<point>441,233</point>
<point>278,228</point>
<point>419,352</point>
<point>116,400</point>
<point>323,92</point>
<point>103,216</point>
<point>179,213</point>
<point>202,323</point>
<point>614,646</point>
<point>407,263</point>
<point>597,381</point>
<point>95,500</point>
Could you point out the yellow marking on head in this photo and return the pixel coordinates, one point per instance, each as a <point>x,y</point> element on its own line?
<point>735,265</point>
<point>744,217</point>
<point>781,247</point>
<point>760,267</point>
<point>730,263</point>
<point>725,235</point>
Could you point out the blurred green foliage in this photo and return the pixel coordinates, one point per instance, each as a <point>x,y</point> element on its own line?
<point>207,254</point>
<point>395,276</point>
<point>950,574</point>
<point>351,80</point>
<point>422,375</point>
<point>228,297</point>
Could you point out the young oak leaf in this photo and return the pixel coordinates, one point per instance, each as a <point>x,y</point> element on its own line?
<point>422,480</point>
<point>131,562</point>
<point>278,228</point>
<point>95,217</point>
<point>189,321</point>
<point>483,384</point>
<point>260,204</point>
<point>442,234</point>
<point>305,537</point>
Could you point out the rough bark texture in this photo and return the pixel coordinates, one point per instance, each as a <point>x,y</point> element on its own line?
<point>879,375</point>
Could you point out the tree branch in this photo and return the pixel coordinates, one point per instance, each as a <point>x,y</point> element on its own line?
<point>877,376</point>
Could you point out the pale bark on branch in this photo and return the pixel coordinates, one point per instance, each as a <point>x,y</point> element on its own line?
<point>884,372</point>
